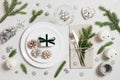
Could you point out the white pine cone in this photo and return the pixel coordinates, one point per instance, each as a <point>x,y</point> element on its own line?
<point>32,44</point>
<point>36,52</point>
<point>46,54</point>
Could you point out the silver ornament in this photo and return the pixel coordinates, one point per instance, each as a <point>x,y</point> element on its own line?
<point>16,72</point>
<point>47,13</point>
<point>46,73</point>
<point>66,71</point>
<point>7,34</point>
<point>34,73</point>
<point>81,74</point>
<point>112,62</point>
<point>97,59</point>
<point>4,57</point>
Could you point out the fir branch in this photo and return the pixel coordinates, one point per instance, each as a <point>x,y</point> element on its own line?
<point>23,67</point>
<point>9,9</point>
<point>59,69</point>
<point>92,35</point>
<point>13,52</point>
<point>101,24</point>
<point>35,15</point>
<point>112,16</point>
<point>18,11</point>
<point>104,46</point>
<point>6,4</point>
<point>102,8</point>
<point>84,42</point>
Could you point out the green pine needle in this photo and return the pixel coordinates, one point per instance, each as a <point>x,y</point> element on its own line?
<point>102,8</point>
<point>59,69</point>
<point>13,52</point>
<point>35,15</point>
<point>104,46</point>
<point>108,44</point>
<point>101,49</point>
<point>113,22</point>
<point>23,67</point>
<point>10,9</point>
<point>101,24</point>
<point>84,42</point>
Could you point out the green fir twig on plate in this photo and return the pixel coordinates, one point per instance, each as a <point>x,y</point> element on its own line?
<point>12,53</point>
<point>84,42</point>
<point>113,22</point>
<point>23,67</point>
<point>35,15</point>
<point>10,9</point>
<point>59,69</point>
<point>104,46</point>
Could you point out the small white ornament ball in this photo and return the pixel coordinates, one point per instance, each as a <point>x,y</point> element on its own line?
<point>110,53</point>
<point>103,35</point>
<point>11,63</point>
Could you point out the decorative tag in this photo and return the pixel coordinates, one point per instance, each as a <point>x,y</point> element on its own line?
<point>87,13</point>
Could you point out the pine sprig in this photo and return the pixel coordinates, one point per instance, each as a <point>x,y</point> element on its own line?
<point>13,52</point>
<point>9,9</point>
<point>104,46</point>
<point>23,67</point>
<point>59,69</point>
<point>84,42</point>
<point>35,15</point>
<point>112,16</point>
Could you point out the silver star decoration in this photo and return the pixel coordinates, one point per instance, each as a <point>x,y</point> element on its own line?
<point>97,59</point>
<point>20,24</point>
<point>112,62</point>
<point>81,74</point>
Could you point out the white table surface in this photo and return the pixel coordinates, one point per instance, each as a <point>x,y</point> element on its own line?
<point>89,74</point>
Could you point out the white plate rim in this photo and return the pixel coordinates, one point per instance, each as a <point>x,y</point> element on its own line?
<point>38,65</point>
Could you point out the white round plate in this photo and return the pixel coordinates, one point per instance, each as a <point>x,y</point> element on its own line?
<point>40,29</point>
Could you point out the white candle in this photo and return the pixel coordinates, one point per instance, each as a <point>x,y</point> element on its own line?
<point>103,35</point>
<point>11,63</point>
<point>110,53</point>
<point>105,68</point>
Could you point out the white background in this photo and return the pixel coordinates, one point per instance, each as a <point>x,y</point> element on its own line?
<point>89,74</point>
